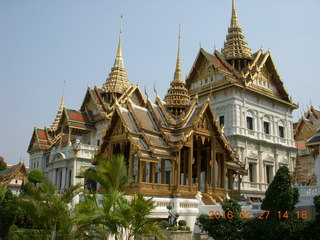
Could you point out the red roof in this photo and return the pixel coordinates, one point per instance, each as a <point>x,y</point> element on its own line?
<point>78,116</point>
<point>217,61</point>
<point>301,144</point>
<point>42,134</point>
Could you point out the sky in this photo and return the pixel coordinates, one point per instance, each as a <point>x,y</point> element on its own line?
<point>47,46</point>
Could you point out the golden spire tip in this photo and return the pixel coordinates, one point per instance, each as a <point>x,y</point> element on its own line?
<point>177,73</point>
<point>119,61</point>
<point>234,18</point>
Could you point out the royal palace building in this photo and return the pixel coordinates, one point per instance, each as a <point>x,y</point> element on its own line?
<point>224,132</point>
<point>173,147</point>
<point>253,106</point>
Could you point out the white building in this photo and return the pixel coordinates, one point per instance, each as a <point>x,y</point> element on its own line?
<point>251,102</point>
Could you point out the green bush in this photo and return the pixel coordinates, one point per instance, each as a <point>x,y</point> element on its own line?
<point>182,223</point>
<point>164,224</point>
<point>36,176</point>
<point>187,228</point>
<point>28,188</point>
<point>280,196</point>
<point>170,228</point>
<point>224,228</point>
<point>3,165</point>
<point>316,201</point>
<point>183,228</point>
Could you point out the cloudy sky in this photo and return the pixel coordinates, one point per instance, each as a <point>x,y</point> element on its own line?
<point>44,43</point>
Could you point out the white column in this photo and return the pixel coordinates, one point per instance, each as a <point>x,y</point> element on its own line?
<point>318,166</point>
<point>276,162</point>
<point>54,176</point>
<point>261,172</point>
<point>74,173</point>
<point>64,176</point>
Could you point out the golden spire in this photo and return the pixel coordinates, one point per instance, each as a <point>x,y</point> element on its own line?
<point>234,18</point>
<point>298,173</point>
<point>177,73</point>
<point>56,121</point>
<point>119,60</point>
<point>117,82</point>
<point>177,98</point>
<point>236,46</point>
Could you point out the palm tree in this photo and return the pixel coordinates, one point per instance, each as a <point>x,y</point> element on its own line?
<point>49,212</point>
<point>118,216</point>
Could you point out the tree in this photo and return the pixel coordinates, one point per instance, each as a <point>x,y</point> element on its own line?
<point>312,231</point>
<point>49,212</point>
<point>224,227</point>
<point>7,211</point>
<point>118,216</point>
<point>280,196</point>
<point>36,176</point>
<point>3,164</point>
<point>280,201</point>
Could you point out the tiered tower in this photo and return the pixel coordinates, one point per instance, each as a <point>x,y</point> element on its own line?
<point>177,98</point>
<point>118,81</point>
<point>236,50</point>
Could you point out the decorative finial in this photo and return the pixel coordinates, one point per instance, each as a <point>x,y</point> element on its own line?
<point>200,45</point>
<point>154,88</point>
<point>177,73</point>
<point>62,97</point>
<point>234,18</point>
<point>119,61</point>
<point>145,91</point>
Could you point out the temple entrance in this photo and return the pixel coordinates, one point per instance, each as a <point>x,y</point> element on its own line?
<point>201,176</point>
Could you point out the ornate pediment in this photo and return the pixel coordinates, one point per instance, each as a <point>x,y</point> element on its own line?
<point>253,155</point>
<point>205,69</point>
<point>203,123</point>
<point>119,129</point>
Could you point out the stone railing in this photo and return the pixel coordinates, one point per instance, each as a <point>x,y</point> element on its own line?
<point>86,151</point>
<point>307,193</point>
<point>254,186</point>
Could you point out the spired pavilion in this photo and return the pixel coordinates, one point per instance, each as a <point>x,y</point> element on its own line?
<point>172,148</point>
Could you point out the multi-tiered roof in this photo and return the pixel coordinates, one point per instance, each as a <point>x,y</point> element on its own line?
<point>236,46</point>
<point>177,98</point>
<point>117,82</point>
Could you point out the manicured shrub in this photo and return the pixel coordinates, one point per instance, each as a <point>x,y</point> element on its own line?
<point>36,176</point>
<point>183,228</point>
<point>182,223</point>
<point>280,196</point>
<point>164,224</point>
